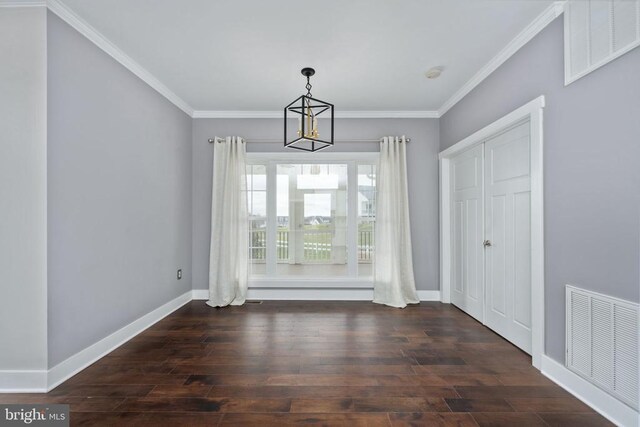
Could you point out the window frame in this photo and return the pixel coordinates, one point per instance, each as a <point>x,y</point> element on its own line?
<point>352,159</point>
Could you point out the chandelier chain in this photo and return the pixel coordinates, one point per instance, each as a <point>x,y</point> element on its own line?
<point>308,86</point>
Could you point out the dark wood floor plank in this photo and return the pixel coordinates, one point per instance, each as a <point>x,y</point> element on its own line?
<point>478,405</point>
<point>180,419</point>
<point>408,380</point>
<point>508,419</point>
<point>522,378</point>
<point>553,404</point>
<point>183,390</point>
<point>331,391</point>
<point>440,360</point>
<point>279,420</point>
<point>91,404</point>
<point>314,361</point>
<point>511,391</point>
<point>369,404</point>
<point>235,369</point>
<point>291,363</point>
<point>451,369</point>
<point>357,369</point>
<point>323,380</point>
<point>128,390</point>
<point>471,379</point>
<point>431,419</point>
<point>120,419</point>
<point>198,404</point>
<point>234,359</point>
<point>575,420</point>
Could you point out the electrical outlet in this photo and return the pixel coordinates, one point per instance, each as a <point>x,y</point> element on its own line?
<point>179,274</point>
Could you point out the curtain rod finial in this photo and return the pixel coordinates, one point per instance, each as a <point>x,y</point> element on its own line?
<point>211,140</point>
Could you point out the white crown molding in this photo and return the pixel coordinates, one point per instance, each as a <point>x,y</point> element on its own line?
<point>601,401</point>
<point>219,114</point>
<point>103,43</point>
<point>84,28</point>
<point>24,3</point>
<point>538,24</point>
<point>234,114</point>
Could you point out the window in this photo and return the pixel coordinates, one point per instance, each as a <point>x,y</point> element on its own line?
<point>312,216</point>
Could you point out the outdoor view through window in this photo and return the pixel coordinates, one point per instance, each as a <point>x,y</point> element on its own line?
<point>312,220</point>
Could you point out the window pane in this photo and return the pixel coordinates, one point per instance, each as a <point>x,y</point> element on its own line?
<point>257,177</point>
<point>282,200</point>
<point>311,237</point>
<point>366,218</point>
<point>257,206</point>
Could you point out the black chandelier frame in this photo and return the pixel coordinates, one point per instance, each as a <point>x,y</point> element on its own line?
<point>308,108</point>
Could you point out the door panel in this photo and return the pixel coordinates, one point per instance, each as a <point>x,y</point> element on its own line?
<point>507,226</point>
<point>458,251</point>
<point>473,221</point>
<point>468,264</point>
<point>495,273</point>
<point>522,259</point>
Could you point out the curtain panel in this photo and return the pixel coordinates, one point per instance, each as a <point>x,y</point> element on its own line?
<point>394,283</point>
<point>229,258</point>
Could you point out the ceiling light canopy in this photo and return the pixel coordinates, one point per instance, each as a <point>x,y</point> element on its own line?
<point>309,136</point>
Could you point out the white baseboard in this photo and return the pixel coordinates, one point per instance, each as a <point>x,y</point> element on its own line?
<point>23,381</point>
<point>601,402</point>
<point>44,381</point>
<point>74,364</point>
<point>200,294</point>
<point>319,294</point>
<point>428,295</point>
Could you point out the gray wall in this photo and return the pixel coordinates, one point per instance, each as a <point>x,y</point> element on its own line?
<point>119,195</point>
<point>591,166</point>
<point>23,189</point>
<point>422,175</point>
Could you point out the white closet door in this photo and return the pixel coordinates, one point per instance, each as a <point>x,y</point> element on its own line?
<point>468,264</point>
<point>508,235</point>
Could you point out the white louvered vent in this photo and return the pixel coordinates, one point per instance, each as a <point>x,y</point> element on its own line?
<point>602,342</point>
<point>596,32</point>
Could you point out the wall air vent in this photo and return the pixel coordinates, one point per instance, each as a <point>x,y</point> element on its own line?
<point>596,32</point>
<point>602,342</point>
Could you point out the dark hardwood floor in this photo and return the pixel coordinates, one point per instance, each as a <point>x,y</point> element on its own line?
<point>316,363</point>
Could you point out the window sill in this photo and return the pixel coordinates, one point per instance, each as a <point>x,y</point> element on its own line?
<point>305,282</point>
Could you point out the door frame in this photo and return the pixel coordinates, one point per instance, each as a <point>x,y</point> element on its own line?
<point>533,111</point>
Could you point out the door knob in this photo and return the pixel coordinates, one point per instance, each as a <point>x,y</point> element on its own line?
<point>486,243</point>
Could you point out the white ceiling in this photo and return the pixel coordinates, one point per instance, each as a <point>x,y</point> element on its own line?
<point>368,54</point>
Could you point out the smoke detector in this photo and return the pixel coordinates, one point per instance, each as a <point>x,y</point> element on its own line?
<point>433,73</point>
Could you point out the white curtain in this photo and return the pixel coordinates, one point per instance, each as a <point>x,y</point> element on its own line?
<point>228,259</point>
<point>394,284</point>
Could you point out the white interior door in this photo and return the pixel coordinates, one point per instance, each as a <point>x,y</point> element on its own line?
<point>507,180</point>
<point>467,263</point>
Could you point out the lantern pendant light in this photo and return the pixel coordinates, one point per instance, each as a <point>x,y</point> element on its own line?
<point>311,134</point>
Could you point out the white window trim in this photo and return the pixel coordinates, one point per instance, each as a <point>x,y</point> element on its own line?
<point>353,159</point>
<point>311,158</point>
